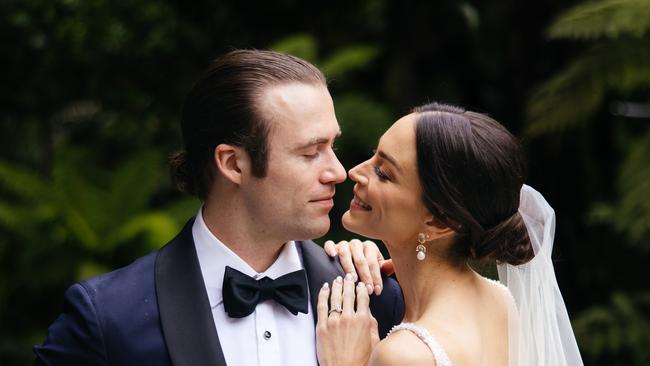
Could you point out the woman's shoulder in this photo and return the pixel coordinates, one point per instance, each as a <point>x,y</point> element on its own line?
<point>502,293</point>
<point>401,348</point>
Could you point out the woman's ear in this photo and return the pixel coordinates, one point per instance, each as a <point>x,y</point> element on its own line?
<point>436,228</point>
<point>231,161</point>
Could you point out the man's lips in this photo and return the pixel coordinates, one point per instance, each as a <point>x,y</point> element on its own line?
<point>328,200</point>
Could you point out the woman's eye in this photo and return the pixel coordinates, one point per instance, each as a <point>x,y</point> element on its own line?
<point>382,176</point>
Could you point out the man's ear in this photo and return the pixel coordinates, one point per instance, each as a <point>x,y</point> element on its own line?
<point>231,161</point>
<point>436,228</point>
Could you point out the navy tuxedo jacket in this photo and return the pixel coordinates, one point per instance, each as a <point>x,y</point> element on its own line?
<point>155,311</point>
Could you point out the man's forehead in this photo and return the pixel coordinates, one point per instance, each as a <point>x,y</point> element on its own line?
<point>288,97</point>
<point>303,113</point>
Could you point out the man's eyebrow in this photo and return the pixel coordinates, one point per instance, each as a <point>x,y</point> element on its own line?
<point>316,141</point>
<point>389,158</point>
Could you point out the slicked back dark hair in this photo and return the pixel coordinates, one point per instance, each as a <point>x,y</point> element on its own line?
<point>223,107</point>
<point>472,170</point>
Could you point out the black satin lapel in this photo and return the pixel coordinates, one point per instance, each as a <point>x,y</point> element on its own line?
<point>320,268</point>
<point>185,314</point>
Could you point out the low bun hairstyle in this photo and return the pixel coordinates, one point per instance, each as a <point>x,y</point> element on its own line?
<point>472,170</point>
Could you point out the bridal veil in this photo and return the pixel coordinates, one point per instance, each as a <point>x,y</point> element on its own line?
<point>540,332</point>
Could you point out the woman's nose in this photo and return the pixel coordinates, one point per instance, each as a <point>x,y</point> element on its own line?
<point>358,175</point>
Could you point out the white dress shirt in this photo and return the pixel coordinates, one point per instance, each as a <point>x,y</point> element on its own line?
<point>271,335</point>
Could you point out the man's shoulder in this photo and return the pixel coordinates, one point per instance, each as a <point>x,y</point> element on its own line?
<point>138,273</point>
<point>132,277</point>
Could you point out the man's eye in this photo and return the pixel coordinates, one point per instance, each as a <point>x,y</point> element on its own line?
<point>382,176</point>
<point>311,156</point>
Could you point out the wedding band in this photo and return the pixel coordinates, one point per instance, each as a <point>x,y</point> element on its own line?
<point>335,310</point>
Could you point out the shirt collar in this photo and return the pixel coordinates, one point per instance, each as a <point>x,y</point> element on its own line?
<point>214,256</point>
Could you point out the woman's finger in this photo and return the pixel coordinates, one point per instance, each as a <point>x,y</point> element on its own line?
<point>322,307</point>
<point>336,294</point>
<point>345,257</point>
<point>348,294</point>
<point>363,300</point>
<point>330,248</point>
<point>370,251</point>
<point>361,263</point>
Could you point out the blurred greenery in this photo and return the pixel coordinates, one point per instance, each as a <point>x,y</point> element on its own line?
<point>615,66</point>
<point>92,93</point>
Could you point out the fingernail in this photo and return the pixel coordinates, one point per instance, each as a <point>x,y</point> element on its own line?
<point>356,278</point>
<point>377,289</point>
<point>326,285</point>
<point>370,289</point>
<point>360,284</point>
<point>348,277</point>
<point>339,279</point>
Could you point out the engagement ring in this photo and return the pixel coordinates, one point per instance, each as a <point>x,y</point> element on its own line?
<point>335,310</point>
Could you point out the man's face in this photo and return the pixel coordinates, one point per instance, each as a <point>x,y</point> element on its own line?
<point>294,199</point>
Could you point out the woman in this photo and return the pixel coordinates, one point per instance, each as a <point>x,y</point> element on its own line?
<point>442,188</point>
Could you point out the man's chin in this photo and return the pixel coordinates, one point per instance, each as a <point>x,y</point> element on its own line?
<point>313,230</point>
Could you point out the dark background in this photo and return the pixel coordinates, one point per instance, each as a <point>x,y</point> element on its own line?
<point>91,93</point>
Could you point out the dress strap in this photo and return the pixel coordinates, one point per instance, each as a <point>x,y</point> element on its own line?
<point>439,353</point>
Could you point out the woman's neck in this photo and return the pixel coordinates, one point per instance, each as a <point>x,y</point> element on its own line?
<point>426,282</point>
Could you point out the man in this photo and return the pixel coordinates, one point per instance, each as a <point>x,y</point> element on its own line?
<point>234,287</point>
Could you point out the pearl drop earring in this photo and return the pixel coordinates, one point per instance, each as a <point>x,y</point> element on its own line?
<point>421,249</point>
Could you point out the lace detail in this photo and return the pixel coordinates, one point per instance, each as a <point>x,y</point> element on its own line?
<point>439,353</point>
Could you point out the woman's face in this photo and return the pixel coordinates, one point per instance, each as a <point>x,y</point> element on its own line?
<point>387,203</point>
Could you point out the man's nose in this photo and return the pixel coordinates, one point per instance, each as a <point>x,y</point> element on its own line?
<point>335,172</point>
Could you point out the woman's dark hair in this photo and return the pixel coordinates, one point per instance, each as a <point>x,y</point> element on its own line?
<point>472,170</point>
<point>223,107</point>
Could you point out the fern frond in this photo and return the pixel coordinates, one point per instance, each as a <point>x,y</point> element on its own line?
<point>155,227</point>
<point>349,59</point>
<point>571,97</point>
<point>616,329</point>
<point>630,215</point>
<point>603,19</point>
<point>300,45</point>
<point>20,181</point>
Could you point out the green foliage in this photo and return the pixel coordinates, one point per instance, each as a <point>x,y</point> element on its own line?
<point>629,216</point>
<point>362,121</point>
<point>619,64</point>
<point>93,210</point>
<point>572,97</point>
<point>603,19</point>
<point>341,62</point>
<point>617,334</point>
<point>300,45</point>
<point>616,64</point>
<point>348,59</point>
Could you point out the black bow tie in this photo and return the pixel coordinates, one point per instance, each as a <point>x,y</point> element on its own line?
<point>242,293</point>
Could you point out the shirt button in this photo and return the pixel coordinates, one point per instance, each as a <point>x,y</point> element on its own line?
<point>267,335</point>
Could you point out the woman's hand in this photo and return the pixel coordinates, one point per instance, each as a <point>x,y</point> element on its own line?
<point>364,259</point>
<point>345,336</point>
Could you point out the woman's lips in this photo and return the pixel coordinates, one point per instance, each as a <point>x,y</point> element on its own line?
<point>357,203</point>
